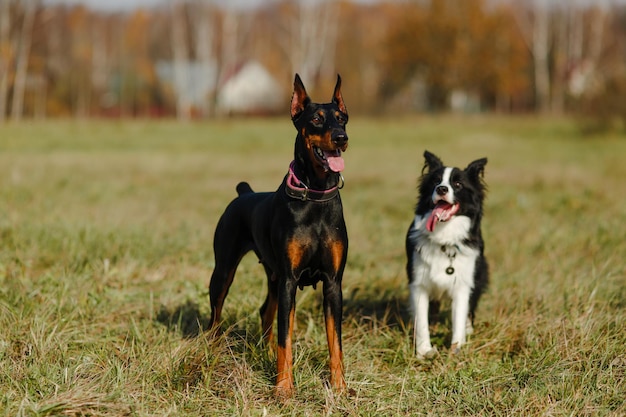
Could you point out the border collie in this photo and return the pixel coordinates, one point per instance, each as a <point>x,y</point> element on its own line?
<point>444,247</point>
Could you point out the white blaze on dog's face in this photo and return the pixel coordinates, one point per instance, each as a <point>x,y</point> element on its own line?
<point>443,190</point>
<point>444,200</point>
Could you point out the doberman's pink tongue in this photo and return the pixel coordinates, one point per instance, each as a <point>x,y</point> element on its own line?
<point>335,161</point>
<point>443,211</point>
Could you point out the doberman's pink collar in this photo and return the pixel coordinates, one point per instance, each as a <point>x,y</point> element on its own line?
<point>299,190</point>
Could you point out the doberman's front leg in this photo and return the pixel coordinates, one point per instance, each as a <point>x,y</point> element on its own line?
<point>286,318</point>
<point>333,301</point>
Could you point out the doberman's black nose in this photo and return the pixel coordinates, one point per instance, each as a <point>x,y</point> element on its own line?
<point>340,138</point>
<point>442,190</point>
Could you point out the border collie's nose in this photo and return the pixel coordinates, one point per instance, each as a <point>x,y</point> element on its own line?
<point>340,138</point>
<point>442,190</point>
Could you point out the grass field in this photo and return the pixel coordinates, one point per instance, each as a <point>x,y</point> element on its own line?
<point>106,232</point>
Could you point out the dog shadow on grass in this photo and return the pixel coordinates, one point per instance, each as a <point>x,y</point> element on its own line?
<point>383,311</point>
<point>393,312</point>
<point>186,319</point>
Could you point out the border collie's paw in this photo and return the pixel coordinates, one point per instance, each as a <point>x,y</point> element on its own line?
<point>430,354</point>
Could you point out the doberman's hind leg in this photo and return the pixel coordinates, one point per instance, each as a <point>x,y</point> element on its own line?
<point>221,280</point>
<point>228,251</point>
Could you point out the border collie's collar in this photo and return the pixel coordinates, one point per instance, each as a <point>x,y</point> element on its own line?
<point>297,189</point>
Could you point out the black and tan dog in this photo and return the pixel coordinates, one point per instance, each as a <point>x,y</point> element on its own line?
<point>297,232</point>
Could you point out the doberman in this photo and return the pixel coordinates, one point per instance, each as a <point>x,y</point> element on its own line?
<point>298,233</point>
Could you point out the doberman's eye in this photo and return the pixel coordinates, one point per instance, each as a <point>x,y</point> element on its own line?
<point>317,119</point>
<point>341,118</point>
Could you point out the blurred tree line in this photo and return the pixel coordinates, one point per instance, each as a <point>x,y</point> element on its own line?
<point>395,56</point>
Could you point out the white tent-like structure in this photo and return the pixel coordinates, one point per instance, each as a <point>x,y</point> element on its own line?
<point>251,90</point>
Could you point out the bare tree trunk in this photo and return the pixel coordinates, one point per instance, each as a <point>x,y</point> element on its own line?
<point>123,64</point>
<point>204,48</point>
<point>100,65</point>
<point>181,57</point>
<point>312,31</point>
<point>235,28</point>
<point>83,97</point>
<point>327,64</point>
<point>229,55</point>
<point>596,34</point>
<point>540,56</point>
<point>576,38</point>
<point>26,35</point>
<point>230,39</point>
<point>39,110</point>
<point>6,56</point>
<point>534,23</point>
<point>557,102</point>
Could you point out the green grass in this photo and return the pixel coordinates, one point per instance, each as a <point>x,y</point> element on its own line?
<point>106,232</point>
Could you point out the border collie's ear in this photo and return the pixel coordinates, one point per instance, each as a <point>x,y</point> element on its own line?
<point>299,99</point>
<point>475,170</point>
<point>337,98</point>
<point>432,162</point>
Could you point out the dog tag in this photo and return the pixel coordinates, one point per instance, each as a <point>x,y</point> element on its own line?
<point>449,270</point>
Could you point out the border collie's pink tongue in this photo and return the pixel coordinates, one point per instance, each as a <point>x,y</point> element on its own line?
<point>335,161</point>
<point>442,212</point>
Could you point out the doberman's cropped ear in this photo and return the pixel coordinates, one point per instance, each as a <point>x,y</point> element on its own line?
<point>299,99</point>
<point>476,169</point>
<point>337,98</point>
<point>432,162</point>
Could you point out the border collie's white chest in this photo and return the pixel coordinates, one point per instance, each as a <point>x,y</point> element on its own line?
<point>441,261</point>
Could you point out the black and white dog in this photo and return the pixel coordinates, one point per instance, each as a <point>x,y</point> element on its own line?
<point>444,247</point>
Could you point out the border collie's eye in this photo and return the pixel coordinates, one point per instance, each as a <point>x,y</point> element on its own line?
<point>458,185</point>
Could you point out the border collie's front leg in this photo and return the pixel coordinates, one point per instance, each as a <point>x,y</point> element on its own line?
<point>460,311</point>
<point>419,308</point>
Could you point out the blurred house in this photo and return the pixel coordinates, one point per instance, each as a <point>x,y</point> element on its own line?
<point>580,77</point>
<point>251,90</point>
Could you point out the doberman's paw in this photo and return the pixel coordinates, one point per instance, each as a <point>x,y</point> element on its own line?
<point>338,384</point>
<point>341,389</point>
<point>284,389</point>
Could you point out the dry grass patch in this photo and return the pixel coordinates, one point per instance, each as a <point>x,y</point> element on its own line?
<point>106,234</point>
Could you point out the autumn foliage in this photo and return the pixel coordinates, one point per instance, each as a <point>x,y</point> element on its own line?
<point>437,55</point>
<point>457,44</point>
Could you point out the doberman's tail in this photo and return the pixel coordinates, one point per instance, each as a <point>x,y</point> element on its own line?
<point>244,188</point>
